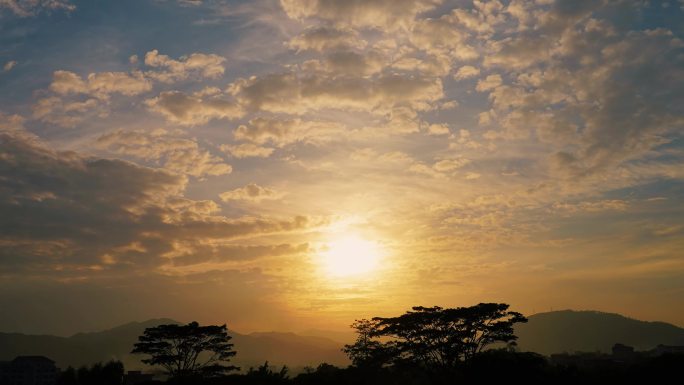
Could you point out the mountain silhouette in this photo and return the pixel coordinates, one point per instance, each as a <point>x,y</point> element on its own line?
<point>591,331</point>
<point>253,349</point>
<point>545,333</point>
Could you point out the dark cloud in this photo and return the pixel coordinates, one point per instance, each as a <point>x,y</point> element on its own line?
<point>27,8</point>
<point>64,213</point>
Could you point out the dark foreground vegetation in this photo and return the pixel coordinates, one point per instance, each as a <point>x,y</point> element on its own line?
<point>492,366</point>
<point>427,345</point>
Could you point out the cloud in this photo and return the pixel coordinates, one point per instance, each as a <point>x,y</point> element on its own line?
<point>578,103</point>
<point>190,110</point>
<point>590,206</point>
<point>67,113</point>
<point>450,164</point>
<point>177,154</point>
<point>74,98</point>
<point>100,85</point>
<point>206,65</point>
<point>489,83</point>
<point>9,65</point>
<point>215,255</point>
<point>352,63</point>
<point>326,38</point>
<point>385,14</point>
<point>122,217</point>
<point>283,132</point>
<point>466,72</point>
<point>252,192</point>
<point>443,38</point>
<point>27,8</point>
<point>294,94</point>
<point>247,150</point>
<point>613,108</point>
<point>13,124</point>
<point>438,129</point>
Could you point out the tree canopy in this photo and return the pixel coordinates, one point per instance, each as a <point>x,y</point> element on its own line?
<point>187,350</point>
<point>433,337</point>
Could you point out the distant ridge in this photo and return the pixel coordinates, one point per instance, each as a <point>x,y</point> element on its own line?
<point>253,349</point>
<point>545,333</point>
<point>590,331</point>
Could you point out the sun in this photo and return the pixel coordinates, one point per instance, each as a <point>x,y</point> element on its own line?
<point>350,255</point>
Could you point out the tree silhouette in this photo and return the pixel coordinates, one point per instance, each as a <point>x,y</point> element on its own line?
<point>366,351</point>
<point>434,337</point>
<point>110,373</point>
<point>187,351</point>
<point>265,375</point>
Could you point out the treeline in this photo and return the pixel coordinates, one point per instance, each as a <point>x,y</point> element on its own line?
<point>492,366</point>
<point>426,345</point>
<point>110,373</point>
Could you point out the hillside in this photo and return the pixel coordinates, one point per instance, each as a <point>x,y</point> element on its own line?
<point>590,331</point>
<point>253,349</point>
<point>546,333</point>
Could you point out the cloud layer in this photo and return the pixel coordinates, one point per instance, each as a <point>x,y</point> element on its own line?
<point>496,150</point>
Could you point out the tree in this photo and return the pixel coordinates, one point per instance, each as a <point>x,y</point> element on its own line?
<point>265,375</point>
<point>110,373</point>
<point>434,337</point>
<point>366,351</point>
<point>186,351</point>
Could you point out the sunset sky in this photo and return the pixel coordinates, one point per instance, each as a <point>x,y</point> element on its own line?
<point>298,164</point>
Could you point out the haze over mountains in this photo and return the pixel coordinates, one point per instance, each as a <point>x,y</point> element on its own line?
<point>115,344</point>
<point>590,331</point>
<point>545,333</point>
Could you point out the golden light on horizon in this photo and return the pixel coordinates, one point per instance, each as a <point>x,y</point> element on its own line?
<point>350,255</point>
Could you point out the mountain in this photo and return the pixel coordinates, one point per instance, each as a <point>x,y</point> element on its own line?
<point>590,331</point>
<point>343,337</point>
<point>545,333</point>
<point>253,349</point>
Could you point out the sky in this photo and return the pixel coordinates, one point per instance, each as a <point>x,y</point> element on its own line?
<point>299,164</point>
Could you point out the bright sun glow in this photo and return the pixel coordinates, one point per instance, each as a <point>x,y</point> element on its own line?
<point>350,255</point>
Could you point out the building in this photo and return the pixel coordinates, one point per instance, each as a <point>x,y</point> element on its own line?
<point>29,370</point>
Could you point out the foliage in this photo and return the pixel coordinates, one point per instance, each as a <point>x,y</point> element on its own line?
<point>367,351</point>
<point>266,375</point>
<point>186,351</point>
<point>433,337</point>
<point>110,373</point>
